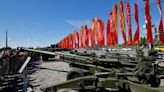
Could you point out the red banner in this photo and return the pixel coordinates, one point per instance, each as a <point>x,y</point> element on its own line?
<point>115,25</point>
<point>160,29</point>
<point>96,27</point>
<point>92,34</point>
<point>101,34</point>
<point>99,27</point>
<point>71,41</point>
<point>122,23</point>
<point>86,36</point>
<point>128,20</point>
<point>108,33</point>
<point>137,33</point>
<point>111,31</point>
<point>81,39</point>
<point>149,26</point>
<point>68,42</point>
<point>76,39</point>
<point>159,7</point>
<point>62,43</point>
<point>65,43</point>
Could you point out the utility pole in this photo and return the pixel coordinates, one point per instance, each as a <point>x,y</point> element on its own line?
<point>6,38</point>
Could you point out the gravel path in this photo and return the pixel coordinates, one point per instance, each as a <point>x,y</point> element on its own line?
<point>49,73</point>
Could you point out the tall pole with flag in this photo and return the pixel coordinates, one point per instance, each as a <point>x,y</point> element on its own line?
<point>149,26</point>
<point>137,33</point>
<point>160,28</point>
<point>122,23</point>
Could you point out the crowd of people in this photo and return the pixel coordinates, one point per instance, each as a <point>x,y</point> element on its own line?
<point>11,60</point>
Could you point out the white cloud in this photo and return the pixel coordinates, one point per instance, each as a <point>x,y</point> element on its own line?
<point>78,23</point>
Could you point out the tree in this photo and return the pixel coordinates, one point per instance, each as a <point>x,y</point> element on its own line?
<point>143,41</point>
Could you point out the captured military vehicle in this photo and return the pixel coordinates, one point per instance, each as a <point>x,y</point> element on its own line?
<point>109,72</point>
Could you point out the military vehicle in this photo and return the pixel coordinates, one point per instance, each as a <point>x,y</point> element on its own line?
<point>51,48</point>
<point>110,72</point>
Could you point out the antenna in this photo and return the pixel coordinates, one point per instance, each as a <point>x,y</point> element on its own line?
<point>6,38</point>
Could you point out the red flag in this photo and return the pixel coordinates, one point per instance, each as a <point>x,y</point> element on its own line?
<point>99,27</point>
<point>96,28</point>
<point>92,34</point>
<point>108,33</point>
<point>137,33</point>
<point>72,38</point>
<point>160,29</point>
<point>62,46</point>
<point>115,25</point>
<point>122,24</point>
<point>149,26</point>
<point>67,42</point>
<point>81,40</point>
<point>113,33</point>
<point>101,33</point>
<point>86,36</point>
<point>63,43</point>
<point>161,33</point>
<point>71,41</point>
<point>76,39</point>
<point>159,7</point>
<point>128,20</point>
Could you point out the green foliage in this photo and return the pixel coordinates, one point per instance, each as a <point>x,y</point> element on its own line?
<point>143,41</point>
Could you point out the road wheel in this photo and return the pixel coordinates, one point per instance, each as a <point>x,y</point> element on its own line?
<point>74,73</point>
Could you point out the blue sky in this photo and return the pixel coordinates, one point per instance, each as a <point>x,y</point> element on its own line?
<point>44,22</point>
